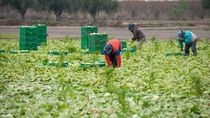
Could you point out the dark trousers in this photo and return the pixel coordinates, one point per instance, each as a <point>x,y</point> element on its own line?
<point>193,47</point>
<point>113,60</point>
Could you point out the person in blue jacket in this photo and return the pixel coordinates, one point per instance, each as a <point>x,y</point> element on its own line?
<point>189,39</point>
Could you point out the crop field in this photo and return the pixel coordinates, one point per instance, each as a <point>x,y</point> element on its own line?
<point>150,82</point>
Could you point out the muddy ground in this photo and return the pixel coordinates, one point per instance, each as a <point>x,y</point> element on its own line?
<point>162,33</point>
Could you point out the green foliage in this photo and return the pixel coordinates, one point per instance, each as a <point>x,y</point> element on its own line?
<point>197,84</point>
<point>109,75</point>
<point>121,93</point>
<point>153,39</point>
<point>20,5</point>
<point>95,6</point>
<point>8,36</point>
<point>206,4</point>
<point>3,2</point>
<point>41,5</point>
<point>179,9</point>
<point>58,6</point>
<point>149,84</point>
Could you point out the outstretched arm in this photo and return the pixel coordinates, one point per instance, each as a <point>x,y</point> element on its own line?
<point>118,58</point>
<point>134,35</point>
<point>180,44</point>
<point>107,58</point>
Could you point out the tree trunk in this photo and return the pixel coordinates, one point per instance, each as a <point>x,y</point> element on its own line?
<point>57,17</point>
<point>23,17</point>
<point>58,14</point>
<point>94,18</point>
<point>22,13</point>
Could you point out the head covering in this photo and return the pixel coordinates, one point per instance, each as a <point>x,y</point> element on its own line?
<point>131,26</point>
<point>108,49</point>
<point>180,35</point>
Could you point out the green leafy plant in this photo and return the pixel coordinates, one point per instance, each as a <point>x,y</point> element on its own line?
<point>121,93</point>
<point>197,85</point>
<point>149,84</point>
<point>109,74</point>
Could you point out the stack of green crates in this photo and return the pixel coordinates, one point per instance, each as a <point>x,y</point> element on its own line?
<point>85,31</point>
<point>97,41</point>
<point>28,38</point>
<point>42,34</point>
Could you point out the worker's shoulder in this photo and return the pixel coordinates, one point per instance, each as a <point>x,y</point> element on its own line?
<point>114,40</point>
<point>188,32</point>
<point>139,30</point>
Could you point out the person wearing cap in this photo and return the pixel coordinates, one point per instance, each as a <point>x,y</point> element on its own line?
<point>112,53</point>
<point>189,39</point>
<point>138,35</point>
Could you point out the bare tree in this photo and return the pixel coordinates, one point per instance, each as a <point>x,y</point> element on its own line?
<point>20,5</point>
<point>95,6</point>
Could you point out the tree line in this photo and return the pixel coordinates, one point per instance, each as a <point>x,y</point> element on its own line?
<point>93,7</point>
<point>138,10</point>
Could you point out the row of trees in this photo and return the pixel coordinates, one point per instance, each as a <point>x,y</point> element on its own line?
<point>206,4</point>
<point>125,9</point>
<point>166,10</point>
<point>93,7</point>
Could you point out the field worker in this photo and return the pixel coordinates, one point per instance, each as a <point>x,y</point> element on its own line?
<point>112,53</point>
<point>189,39</point>
<point>138,35</point>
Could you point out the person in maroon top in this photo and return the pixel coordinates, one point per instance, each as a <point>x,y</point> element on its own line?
<point>112,53</point>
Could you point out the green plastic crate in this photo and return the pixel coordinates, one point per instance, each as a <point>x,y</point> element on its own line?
<point>130,50</point>
<point>28,31</point>
<point>42,29</point>
<point>2,51</point>
<point>174,54</point>
<point>85,31</point>
<point>14,51</point>
<point>84,42</point>
<point>28,38</point>
<point>97,41</point>
<point>42,39</point>
<point>124,44</point>
<point>93,43</point>
<point>96,64</point>
<point>64,64</point>
<point>28,46</point>
<point>18,51</point>
<point>42,34</point>
<point>96,48</point>
<point>58,53</point>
